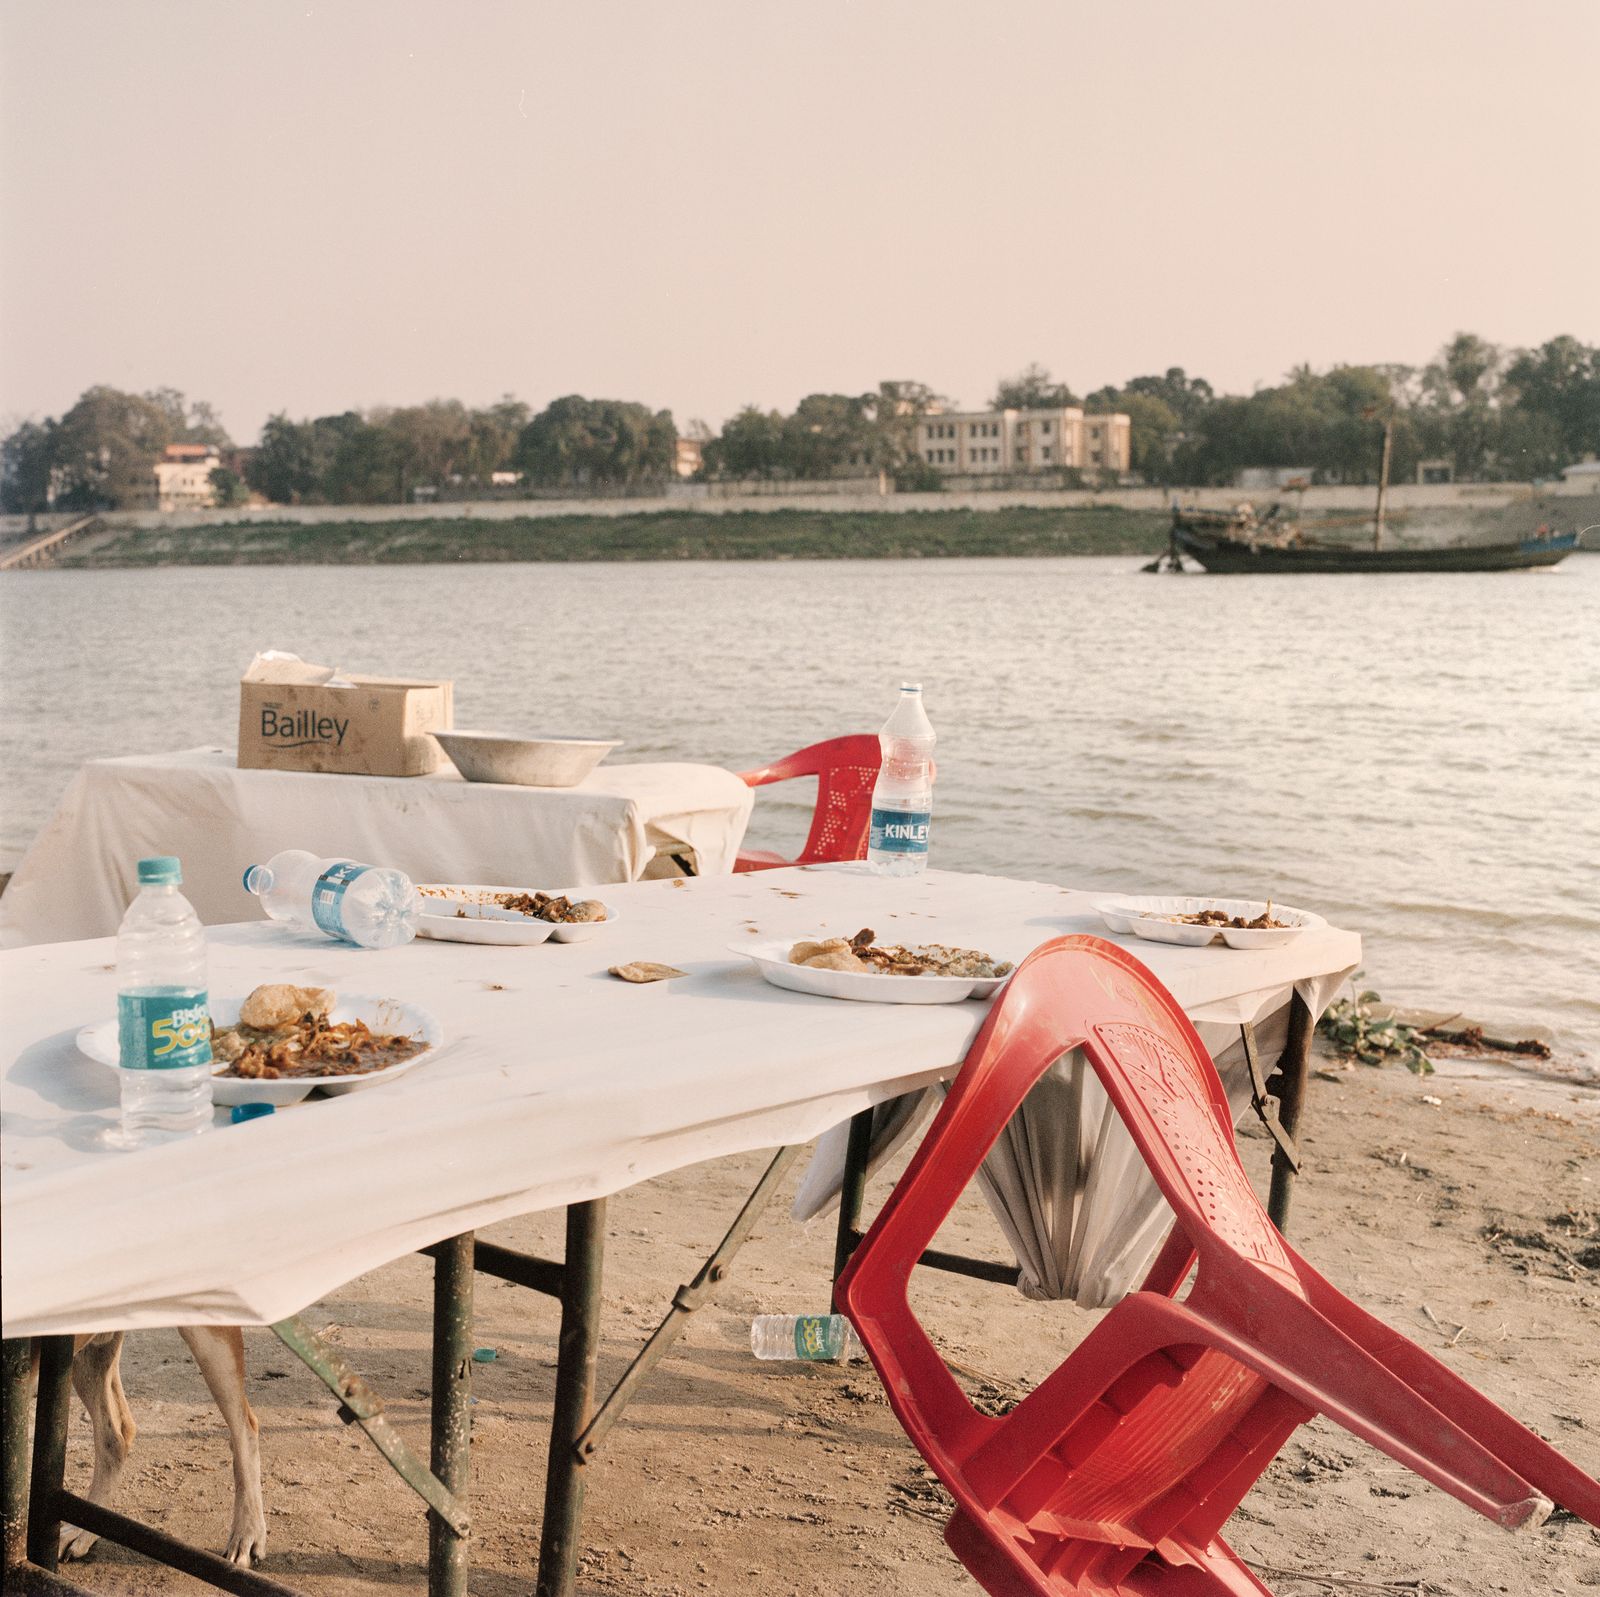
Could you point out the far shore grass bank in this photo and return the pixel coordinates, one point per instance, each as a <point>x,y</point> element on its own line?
<point>667,535</point>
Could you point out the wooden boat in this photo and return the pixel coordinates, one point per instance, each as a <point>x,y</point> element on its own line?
<point>1231,541</point>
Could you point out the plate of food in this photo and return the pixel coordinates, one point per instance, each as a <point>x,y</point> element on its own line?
<point>282,1043</point>
<point>1199,922</point>
<point>867,971</point>
<point>507,915</point>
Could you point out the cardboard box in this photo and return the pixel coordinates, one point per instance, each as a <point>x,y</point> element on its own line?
<point>377,726</point>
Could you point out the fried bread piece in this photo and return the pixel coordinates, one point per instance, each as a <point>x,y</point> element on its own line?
<point>279,1004</point>
<point>834,953</point>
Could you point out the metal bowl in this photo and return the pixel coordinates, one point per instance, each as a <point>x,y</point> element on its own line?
<point>524,762</point>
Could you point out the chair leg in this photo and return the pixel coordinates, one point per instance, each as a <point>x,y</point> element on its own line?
<point>1286,1335</point>
<point>1534,1459</point>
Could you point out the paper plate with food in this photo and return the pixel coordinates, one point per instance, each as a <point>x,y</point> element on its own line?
<point>1199,922</point>
<point>870,972</point>
<point>282,1043</point>
<point>507,915</point>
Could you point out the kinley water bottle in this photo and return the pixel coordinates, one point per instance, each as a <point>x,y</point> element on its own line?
<point>902,801</point>
<point>163,1024</point>
<point>369,905</point>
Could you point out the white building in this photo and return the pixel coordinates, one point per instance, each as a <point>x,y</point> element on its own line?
<point>183,477</point>
<point>687,458</point>
<point>983,442</point>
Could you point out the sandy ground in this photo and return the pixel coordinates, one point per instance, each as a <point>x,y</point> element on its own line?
<point>1469,1223</point>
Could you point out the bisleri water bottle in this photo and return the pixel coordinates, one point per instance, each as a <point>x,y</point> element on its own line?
<point>369,905</point>
<point>823,1337</point>
<point>163,1023</point>
<point>902,801</point>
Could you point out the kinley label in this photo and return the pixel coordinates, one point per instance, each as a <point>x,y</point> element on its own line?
<point>327,897</point>
<point>295,729</point>
<point>163,1031</point>
<point>900,831</point>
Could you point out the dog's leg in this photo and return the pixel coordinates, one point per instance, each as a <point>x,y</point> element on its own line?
<point>219,1351</point>
<point>96,1380</point>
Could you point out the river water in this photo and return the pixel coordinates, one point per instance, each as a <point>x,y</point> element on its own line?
<point>1416,757</point>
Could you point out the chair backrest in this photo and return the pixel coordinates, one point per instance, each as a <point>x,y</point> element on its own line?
<point>846,769</point>
<point>1169,1413</point>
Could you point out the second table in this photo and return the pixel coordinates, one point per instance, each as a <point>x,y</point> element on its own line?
<point>620,823</point>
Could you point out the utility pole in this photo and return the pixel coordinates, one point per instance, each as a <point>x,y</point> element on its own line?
<point>1383,482</point>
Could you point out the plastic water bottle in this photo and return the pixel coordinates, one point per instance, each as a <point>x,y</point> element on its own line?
<point>369,905</point>
<point>902,801</point>
<point>163,1023</point>
<point>824,1337</point>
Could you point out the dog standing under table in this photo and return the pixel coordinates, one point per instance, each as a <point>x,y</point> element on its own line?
<point>219,1351</point>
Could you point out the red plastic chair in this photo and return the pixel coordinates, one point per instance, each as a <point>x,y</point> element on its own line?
<point>846,769</point>
<point>1117,1473</point>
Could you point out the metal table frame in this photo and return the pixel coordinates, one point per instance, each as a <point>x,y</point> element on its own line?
<point>36,1503</point>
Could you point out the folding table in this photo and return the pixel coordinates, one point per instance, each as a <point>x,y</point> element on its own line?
<point>556,1086</point>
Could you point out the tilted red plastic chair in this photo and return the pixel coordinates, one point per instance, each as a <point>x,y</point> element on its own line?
<point>1117,1473</point>
<point>846,769</point>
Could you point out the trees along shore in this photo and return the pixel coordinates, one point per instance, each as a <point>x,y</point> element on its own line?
<point>1488,413</point>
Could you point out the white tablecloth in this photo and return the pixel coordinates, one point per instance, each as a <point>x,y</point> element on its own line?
<point>79,875</point>
<point>556,1083</point>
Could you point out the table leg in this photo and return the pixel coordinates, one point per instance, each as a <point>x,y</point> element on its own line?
<point>49,1450</point>
<point>448,1553</point>
<point>575,1366</point>
<point>852,1190</point>
<point>18,1373</point>
<point>852,1193</point>
<point>19,1576</point>
<point>1294,1066</point>
<point>685,1301</point>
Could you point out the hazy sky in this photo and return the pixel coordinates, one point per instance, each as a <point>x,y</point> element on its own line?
<point>329,203</point>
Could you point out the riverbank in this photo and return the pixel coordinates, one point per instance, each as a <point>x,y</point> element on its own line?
<point>904,526</point>
<point>661,535</point>
<point>1450,1209</point>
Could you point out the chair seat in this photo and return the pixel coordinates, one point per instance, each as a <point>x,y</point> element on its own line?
<point>759,859</point>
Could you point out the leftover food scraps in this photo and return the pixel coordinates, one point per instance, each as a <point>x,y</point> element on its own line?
<point>1220,917</point>
<point>862,955</point>
<point>563,911</point>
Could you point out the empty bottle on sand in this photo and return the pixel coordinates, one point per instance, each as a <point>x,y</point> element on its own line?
<point>372,906</point>
<point>902,801</point>
<point>163,1023</point>
<point>823,1337</point>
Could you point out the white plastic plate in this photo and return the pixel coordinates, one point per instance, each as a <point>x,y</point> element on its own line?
<point>772,960</point>
<point>99,1043</point>
<point>1146,918</point>
<point>488,922</point>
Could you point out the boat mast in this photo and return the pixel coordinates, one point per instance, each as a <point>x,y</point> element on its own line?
<point>1383,482</point>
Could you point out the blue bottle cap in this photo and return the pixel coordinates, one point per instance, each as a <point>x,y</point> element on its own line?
<point>249,1111</point>
<point>160,870</point>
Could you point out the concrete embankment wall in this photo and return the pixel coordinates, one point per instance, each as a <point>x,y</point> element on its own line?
<point>1352,500</point>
